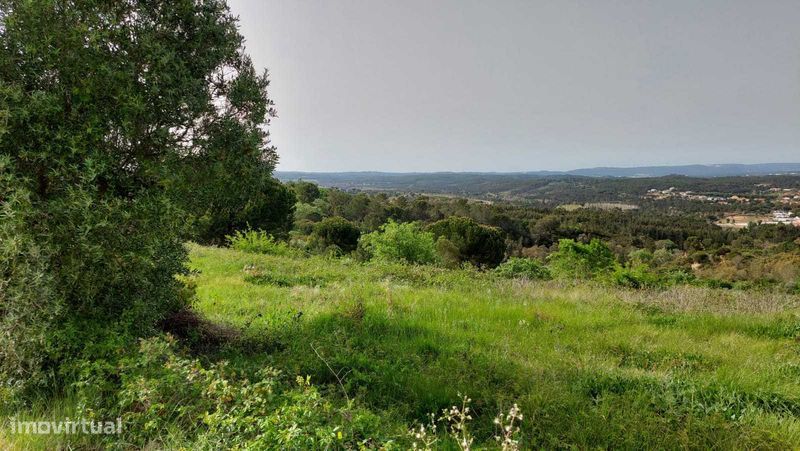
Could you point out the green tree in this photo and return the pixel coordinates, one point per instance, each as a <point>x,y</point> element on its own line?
<point>336,231</point>
<point>306,192</point>
<point>108,105</point>
<point>478,244</point>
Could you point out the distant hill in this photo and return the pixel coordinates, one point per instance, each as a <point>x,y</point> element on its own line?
<point>577,186</point>
<point>695,170</point>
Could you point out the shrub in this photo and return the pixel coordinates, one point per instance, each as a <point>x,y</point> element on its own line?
<point>257,242</point>
<point>400,242</point>
<point>525,268</point>
<point>640,257</point>
<point>448,253</point>
<point>637,276</point>
<point>28,298</point>
<point>662,257</point>
<point>574,259</point>
<point>679,277</point>
<point>336,232</point>
<point>478,244</point>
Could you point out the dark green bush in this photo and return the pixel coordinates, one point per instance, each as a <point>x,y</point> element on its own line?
<point>637,276</point>
<point>336,231</point>
<point>236,200</point>
<point>449,254</point>
<point>478,244</point>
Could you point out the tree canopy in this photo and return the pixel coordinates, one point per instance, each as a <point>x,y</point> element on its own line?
<point>120,122</point>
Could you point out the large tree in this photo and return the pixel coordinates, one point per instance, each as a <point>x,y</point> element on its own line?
<point>106,109</point>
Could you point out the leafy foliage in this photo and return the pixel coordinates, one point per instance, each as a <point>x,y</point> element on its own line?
<point>118,118</point>
<point>306,192</point>
<point>637,276</point>
<point>526,268</point>
<point>401,242</point>
<point>220,408</point>
<point>258,242</point>
<point>223,200</point>
<point>478,244</point>
<point>578,260</point>
<point>336,231</point>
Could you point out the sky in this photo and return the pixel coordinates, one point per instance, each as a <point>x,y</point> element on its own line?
<point>504,85</point>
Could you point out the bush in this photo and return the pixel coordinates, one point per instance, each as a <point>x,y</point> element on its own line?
<point>578,260</point>
<point>640,257</point>
<point>336,233</point>
<point>448,253</point>
<point>257,242</point>
<point>404,242</point>
<point>524,268</point>
<point>478,244</point>
<point>679,277</point>
<point>638,277</point>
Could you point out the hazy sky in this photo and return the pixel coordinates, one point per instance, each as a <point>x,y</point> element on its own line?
<point>446,85</point>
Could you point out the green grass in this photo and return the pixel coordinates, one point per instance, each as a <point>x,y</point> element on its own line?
<point>589,366</point>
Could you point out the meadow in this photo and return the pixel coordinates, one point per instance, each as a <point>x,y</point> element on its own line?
<point>590,366</point>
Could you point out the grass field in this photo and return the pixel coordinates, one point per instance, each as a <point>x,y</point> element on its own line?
<point>590,366</point>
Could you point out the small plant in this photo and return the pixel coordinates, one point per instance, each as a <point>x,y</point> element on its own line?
<point>523,268</point>
<point>509,429</point>
<point>457,419</point>
<point>425,436</point>
<point>158,387</point>
<point>257,242</point>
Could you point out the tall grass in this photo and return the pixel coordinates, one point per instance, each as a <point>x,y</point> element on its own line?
<point>589,365</point>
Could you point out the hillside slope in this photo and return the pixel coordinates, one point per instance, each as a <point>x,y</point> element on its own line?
<point>589,366</point>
